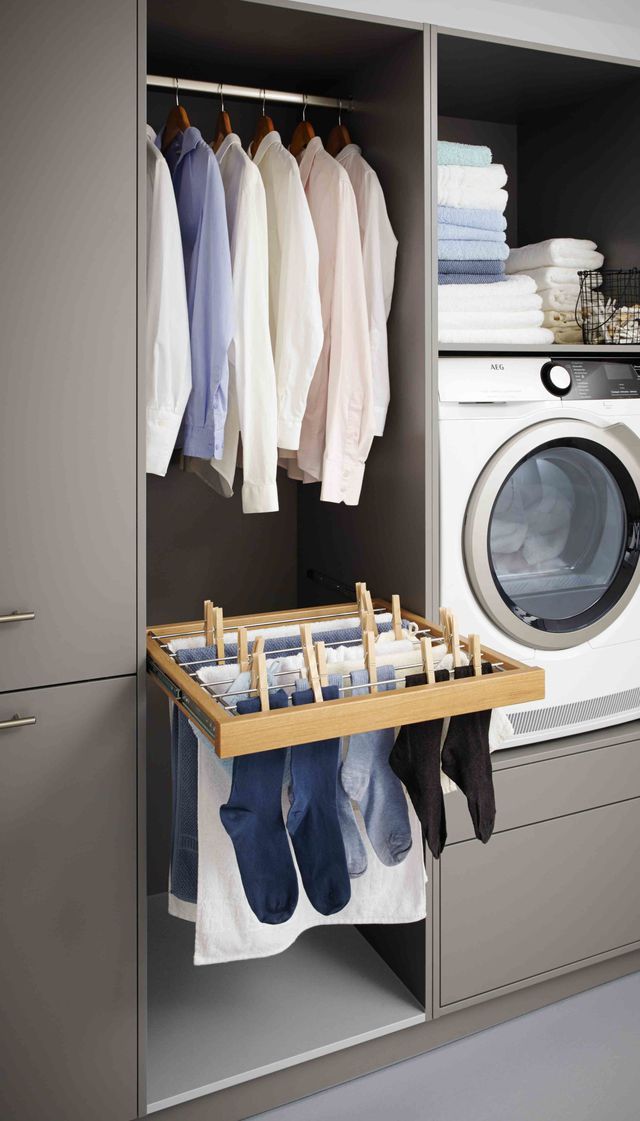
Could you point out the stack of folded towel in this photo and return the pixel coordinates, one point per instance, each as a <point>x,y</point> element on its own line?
<point>476,305</point>
<point>554,266</point>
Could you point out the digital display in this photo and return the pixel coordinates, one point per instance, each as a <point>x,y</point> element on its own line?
<point>618,371</point>
<point>606,380</point>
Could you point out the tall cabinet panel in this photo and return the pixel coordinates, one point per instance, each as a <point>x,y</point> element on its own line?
<point>68,889</point>
<point>68,341</point>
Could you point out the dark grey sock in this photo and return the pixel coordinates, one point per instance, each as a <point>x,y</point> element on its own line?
<point>467,761</point>
<point>415,759</point>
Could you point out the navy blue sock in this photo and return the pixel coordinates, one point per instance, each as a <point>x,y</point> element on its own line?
<point>313,823</point>
<point>253,819</point>
<point>466,759</point>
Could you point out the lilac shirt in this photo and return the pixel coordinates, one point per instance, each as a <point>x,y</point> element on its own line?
<point>207,262</point>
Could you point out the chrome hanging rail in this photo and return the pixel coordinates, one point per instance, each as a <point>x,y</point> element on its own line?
<point>250,93</point>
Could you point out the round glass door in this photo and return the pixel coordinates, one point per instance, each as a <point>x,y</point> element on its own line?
<point>552,543</point>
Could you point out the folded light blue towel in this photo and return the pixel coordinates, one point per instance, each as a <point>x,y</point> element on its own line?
<point>468,278</point>
<point>491,268</point>
<point>464,216</point>
<point>469,233</point>
<point>467,155</point>
<point>450,250</point>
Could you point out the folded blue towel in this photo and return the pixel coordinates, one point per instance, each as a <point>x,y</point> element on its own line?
<point>467,155</point>
<point>469,233</point>
<point>451,250</point>
<point>464,216</point>
<point>468,278</point>
<point>491,268</point>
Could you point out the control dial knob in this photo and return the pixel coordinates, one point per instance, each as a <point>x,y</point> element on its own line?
<point>556,378</point>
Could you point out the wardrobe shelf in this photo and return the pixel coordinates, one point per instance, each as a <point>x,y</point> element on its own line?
<point>231,735</point>
<point>554,348</point>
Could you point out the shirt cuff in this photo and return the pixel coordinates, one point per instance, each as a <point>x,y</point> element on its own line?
<point>379,418</point>
<point>342,481</point>
<point>289,434</point>
<point>162,432</point>
<point>259,498</point>
<point>204,443</point>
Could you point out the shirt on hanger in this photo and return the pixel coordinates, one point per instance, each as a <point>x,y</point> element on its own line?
<point>337,429</point>
<point>379,249</point>
<point>294,299</point>
<point>167,327</point>
<point>252,381</point>
<point>207,264</point>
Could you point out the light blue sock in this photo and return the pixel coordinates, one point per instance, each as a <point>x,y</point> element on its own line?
<point>369,781</point>
<point>354,848</point>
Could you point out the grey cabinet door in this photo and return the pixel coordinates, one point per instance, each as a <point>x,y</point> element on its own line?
<point>68,890</point>
<point>68,340</point>
<point>537,899</point>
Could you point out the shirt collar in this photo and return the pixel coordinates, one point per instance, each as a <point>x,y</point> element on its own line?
<point>308,156</point>
<point>182,144</point>
<point>265,144</point>
<point>151,134</point>
<point>348,150</point>
<point>231,139</point>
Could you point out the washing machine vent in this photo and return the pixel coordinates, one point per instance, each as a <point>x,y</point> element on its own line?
<point>580,712</point>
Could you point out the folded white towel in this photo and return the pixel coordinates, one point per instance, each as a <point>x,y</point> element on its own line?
<point>472,197</point>
<point>552,275</point>
<point>530,336</point>
<point>490,317</point>
<point>563,297</point>
<point>565,252</point>
<point>514,292</point>
<point>477,178</point>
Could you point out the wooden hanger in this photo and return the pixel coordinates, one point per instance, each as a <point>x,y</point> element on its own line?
<point>264,126</point>
<point>176,122</point>
<point>310,662</point>
<point>223,124</point>
<point>426,649</point>
<point>243,650</point>
<point>339,136</point>
<point>303,133</point>
<point>396,615</point>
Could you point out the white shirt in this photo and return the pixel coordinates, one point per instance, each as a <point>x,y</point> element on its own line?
<point>253,406</point>
<point>168,345</point>
<point>379,249</point>
<point>338,425</point>
<point>294,298</point>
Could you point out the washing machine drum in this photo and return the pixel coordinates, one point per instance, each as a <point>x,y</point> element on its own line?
<point>552,533</point>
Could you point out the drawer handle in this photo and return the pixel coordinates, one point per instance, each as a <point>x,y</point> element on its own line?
<point>18,617</point>
<point>17,722</point>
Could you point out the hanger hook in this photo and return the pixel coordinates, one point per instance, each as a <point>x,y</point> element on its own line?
<point>221,92</point>
<point>177,91</point>
<point>339,110</point>
<point>304,106</point>
<point>264,103</point>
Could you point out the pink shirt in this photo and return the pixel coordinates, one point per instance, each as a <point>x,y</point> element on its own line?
<point>338,424</point>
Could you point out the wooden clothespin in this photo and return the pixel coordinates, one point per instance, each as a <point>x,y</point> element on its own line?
<point>321,658</point>
<point>370,659</point>
<point>396,614</point>
<point>262,683</point>
<point>209,622</point>
<point>310,661</point>
<point>475,652</point>
<point>454,640</point>
<point>426,649</point>
<point>243,650</point>
<point>361,597</point>
<point>444,626</point>
<point>218,627</point>
<point>258,649</point>
<point>371,618</point>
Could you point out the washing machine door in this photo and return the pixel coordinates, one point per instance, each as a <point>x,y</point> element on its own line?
<point>552,532</point>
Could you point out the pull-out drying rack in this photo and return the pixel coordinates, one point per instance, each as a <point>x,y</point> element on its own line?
<point>512,683</point>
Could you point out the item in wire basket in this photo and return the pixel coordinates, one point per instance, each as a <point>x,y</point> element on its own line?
<point>609,306</point>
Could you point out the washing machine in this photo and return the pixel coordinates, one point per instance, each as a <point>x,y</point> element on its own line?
<point>540,527</point>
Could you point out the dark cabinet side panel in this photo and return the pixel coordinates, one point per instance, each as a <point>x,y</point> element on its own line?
<point>68,888</point>
<point>68,341</point>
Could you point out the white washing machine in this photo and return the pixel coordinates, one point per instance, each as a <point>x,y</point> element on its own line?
<point>540,527</point>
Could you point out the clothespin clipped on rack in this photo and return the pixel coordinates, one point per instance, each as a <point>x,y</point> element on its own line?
<point>218,628</point>
<point>310,662</point>
<point>371,618</point>
<point>243,650</point>
<point>454,639</point>
<point>321,658</point>
<point>396,615</point>
<point>209,622</point>
<point>426,650</point>
<point>475,653</point>
<point>361,600</point>
<point>444,626</point>
<point>258,649</point>
<point>262,682</point>
<point>369,643</point>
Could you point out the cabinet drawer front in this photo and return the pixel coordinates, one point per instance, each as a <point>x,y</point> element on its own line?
<point>541,791</point>
<point>68,885</point>
<point>68,344</point>
<point>538,899</point>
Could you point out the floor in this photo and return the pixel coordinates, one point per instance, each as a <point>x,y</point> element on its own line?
<point>578,1060</point>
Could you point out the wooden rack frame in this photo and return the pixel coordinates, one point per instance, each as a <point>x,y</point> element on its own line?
<point>233,735</point>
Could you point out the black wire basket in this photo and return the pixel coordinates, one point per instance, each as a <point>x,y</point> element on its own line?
<point>608,307</point>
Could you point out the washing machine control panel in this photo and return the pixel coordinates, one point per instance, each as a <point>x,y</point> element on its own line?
<point>607,379</point>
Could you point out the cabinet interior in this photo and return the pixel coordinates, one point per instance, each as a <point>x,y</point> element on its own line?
<point>210,1027</point>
